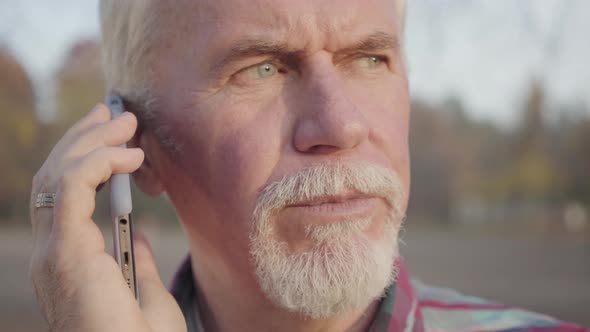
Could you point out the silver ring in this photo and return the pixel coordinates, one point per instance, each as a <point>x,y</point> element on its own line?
<point>45,200</point>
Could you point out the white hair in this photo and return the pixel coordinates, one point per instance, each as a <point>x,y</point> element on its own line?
<point>130,29</point>
<point>345,270</point>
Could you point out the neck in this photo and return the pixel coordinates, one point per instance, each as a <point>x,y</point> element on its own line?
<point>229,301</point>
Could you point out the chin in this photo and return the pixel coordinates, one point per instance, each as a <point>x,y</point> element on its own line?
<point>346,269</point>
<point>351,215</point>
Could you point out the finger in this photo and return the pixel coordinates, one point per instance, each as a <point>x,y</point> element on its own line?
<point>42,227</point>
<point>41,224</point>
<point>104,134</point>
<point>159,307</point>
<point>76,193</point>
<point>99,114</point>
<point>40,217</point>
<point>100,187</point>
<point>111,133</point>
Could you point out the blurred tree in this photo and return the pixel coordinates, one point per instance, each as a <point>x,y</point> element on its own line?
<point>472,169</point>
<point>437,156</point>
<point>452,154</point>
<point>532,174</point>
<point>79,83</point>
<point>572,153</point>
<point>18,136</point>
<point>578,170</point>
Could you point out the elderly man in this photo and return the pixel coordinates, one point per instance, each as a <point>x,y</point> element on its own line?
<point>279,131</point>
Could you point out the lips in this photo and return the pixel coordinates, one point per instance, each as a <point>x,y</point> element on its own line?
<point>335,207</point>
<point>333,199</point>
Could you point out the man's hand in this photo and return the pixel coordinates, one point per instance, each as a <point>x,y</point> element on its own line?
<point>78,285</point>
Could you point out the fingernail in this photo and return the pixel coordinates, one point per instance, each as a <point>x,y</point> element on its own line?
<point>138,150</point>
<point>96,108</point>
<point>126,114</point>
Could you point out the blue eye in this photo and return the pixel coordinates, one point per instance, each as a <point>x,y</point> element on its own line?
<point>265,70</point>
<point>372,61</point>
<point>262,73</point>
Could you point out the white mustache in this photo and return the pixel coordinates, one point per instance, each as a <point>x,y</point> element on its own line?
<point>335,179</point>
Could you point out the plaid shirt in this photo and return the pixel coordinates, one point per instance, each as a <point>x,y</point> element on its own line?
<point>411,306</point>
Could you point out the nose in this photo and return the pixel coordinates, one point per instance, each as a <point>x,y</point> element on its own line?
<point>329,121</point>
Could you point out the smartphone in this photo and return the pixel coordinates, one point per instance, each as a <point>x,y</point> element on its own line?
<point>120,190</point>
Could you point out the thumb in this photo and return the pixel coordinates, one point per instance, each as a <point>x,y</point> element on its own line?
<point>157,304</point>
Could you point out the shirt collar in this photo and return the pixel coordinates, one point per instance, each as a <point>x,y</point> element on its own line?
<point>398,312</point>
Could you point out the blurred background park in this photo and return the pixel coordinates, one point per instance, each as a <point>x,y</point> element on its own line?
<point>500,144</point>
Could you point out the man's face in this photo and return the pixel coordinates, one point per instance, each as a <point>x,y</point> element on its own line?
<point>259,90</point>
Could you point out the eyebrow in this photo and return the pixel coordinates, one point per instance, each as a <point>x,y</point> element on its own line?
<point>377,41</point>
<point>255,47</point>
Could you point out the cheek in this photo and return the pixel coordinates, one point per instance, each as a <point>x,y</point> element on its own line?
<point>238,148</point>
<point>395,128</point>
<point>387,110</point>
<point>244,159</point>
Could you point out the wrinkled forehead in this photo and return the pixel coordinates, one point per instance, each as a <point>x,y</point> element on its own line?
<point>306,22</point>
<point>137,34</point>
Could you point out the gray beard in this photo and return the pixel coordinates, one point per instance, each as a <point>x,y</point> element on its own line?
<point>333,278</point>
<point>345,270</point>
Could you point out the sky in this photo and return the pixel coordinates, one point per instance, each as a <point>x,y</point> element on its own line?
<point>484,52</point>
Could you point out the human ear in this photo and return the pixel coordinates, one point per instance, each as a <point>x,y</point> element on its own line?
<point>147,177</point>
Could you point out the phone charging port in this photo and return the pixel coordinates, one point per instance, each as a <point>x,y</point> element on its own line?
<point>126,258</point>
